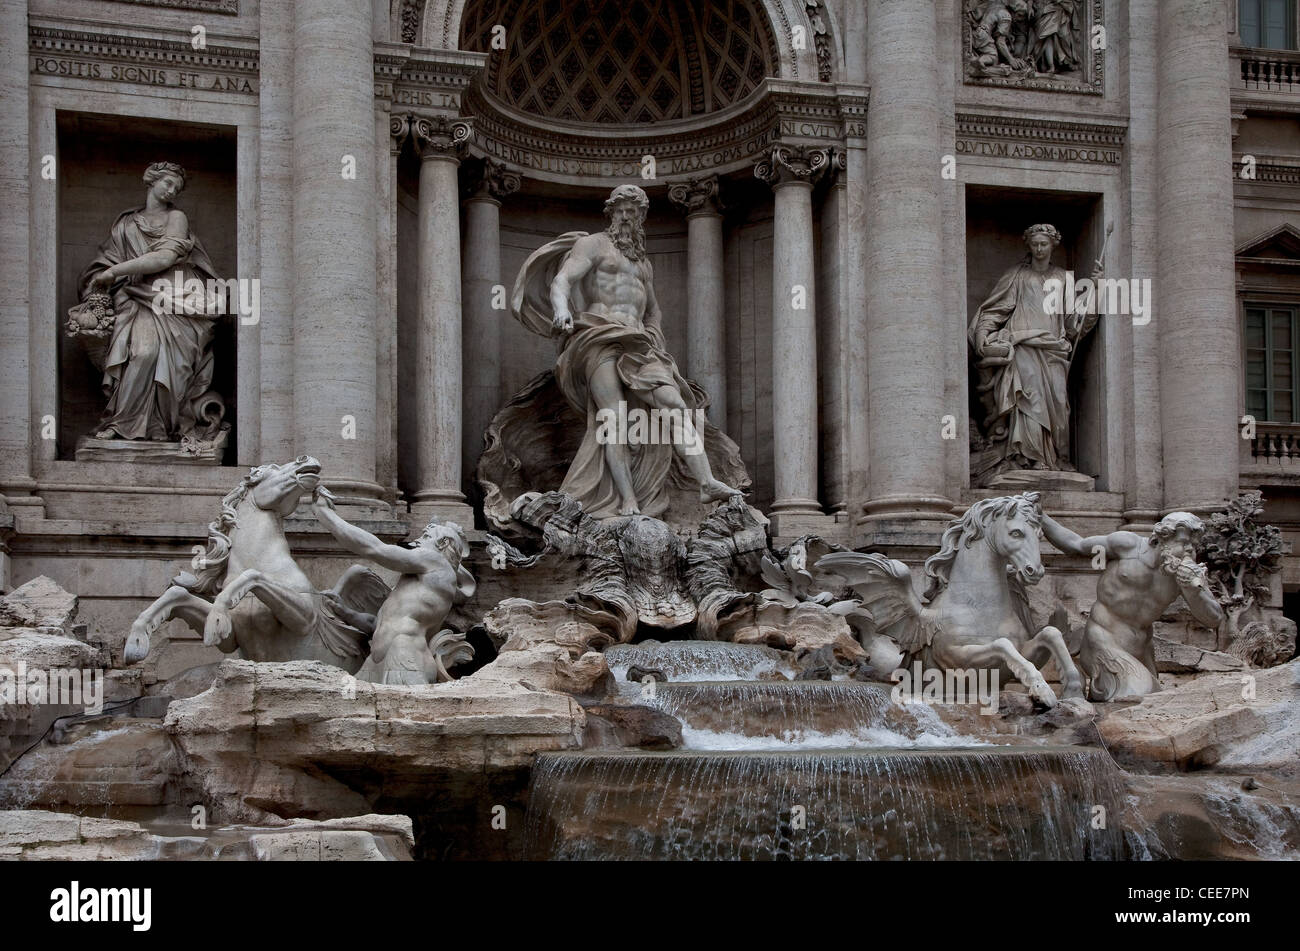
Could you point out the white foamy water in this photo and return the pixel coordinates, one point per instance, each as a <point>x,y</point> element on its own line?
<point>874,738</point>
<point>700,661</point>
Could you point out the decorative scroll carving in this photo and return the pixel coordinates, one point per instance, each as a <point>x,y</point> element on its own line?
<point>492,179</point>
<point>792,163</point>
<point>697,196</point>
<point>438,136</point>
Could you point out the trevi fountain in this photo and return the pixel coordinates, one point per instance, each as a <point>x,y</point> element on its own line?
<point>715,430</point>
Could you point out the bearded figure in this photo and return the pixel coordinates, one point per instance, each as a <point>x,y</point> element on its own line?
<point>595,294</point>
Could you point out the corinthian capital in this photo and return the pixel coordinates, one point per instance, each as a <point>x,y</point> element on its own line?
<point>697,196</point>
<point>786,164</point>
<point>438,136</point>
<point>492,179</point>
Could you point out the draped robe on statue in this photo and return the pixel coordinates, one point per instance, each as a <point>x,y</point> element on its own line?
<point>1026,398</point>
<point>642,361</point>
<point>158,364</point>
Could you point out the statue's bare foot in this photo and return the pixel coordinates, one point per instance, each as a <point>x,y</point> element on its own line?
<point>109,433</point>
<point>716,490</point>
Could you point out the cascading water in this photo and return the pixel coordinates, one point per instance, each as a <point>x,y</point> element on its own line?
<point>776,769</point>
<point>992,803</point>
<point>687,661</point>
<point>805,715</point>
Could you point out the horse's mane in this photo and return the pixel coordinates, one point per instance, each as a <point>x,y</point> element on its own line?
<point>210,566</point>
<point>968,529</point>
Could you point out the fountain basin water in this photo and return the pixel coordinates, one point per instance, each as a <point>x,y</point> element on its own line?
<point>1010,803</point>
<point>810,714</point>
<point>691,661</point>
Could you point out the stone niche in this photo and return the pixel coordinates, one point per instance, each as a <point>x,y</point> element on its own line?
<point>101,159</point>
<point>996,219</point>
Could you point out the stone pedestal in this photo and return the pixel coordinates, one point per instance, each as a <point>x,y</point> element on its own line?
<point>1041,480</point>
<point>191,453</point>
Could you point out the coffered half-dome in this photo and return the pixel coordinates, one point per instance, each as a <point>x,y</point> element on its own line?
<point>621,61</point>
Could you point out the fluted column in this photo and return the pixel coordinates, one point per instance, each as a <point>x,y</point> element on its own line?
<point>1200,374</point>
<point>438,383</point>
<point>334,243</point>
<point>791,172</point>
<point>906,320</point>
<point>706,329</point>
<point>482,272</point>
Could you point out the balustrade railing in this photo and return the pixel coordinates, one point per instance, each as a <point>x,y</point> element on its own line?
<point>1277,70</point>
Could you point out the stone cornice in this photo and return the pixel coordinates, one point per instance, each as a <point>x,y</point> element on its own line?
<point>1099,142</point>
<point>55,51</point>
<point>729,140</point>
<point>426,80</point>
<point>230,7</point>
<point>1269,170</point>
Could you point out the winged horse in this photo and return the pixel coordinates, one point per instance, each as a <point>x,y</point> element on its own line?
<point>286,617</point>
<point>975,613</point>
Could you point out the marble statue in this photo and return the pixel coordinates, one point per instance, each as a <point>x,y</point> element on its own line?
<point>1141,578</point>
<point>993,23</point>
<point>1056,25</point>
<point>595,294</point>
<point>975,614</point>
<point>247,553</point>
<point>1022,39</point>
<point>640,574</point>
<point>157,362</point>
<point>633,565</point>
<point>1023,346</point>
<point>407,646</point>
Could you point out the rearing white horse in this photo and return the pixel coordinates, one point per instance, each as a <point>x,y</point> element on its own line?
<point>975,614</point>
<point>286,618</point>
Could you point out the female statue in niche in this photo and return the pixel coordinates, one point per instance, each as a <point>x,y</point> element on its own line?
<point>1023,346</point>
<point>158,362</point>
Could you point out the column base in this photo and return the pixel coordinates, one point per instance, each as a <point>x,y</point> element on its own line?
<point>791,518</point>
<point>904,520</point>
<point>445,506</point>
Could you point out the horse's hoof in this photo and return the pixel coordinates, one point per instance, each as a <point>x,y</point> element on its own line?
<point>216,629</point>
<point>1043,696</point>
<point>137,648</point>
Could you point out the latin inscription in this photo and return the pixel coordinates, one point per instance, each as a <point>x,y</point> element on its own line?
<point>141,75</point>
<point>1003,148</point>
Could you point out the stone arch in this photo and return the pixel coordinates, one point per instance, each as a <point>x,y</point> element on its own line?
<point>437,24</point>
